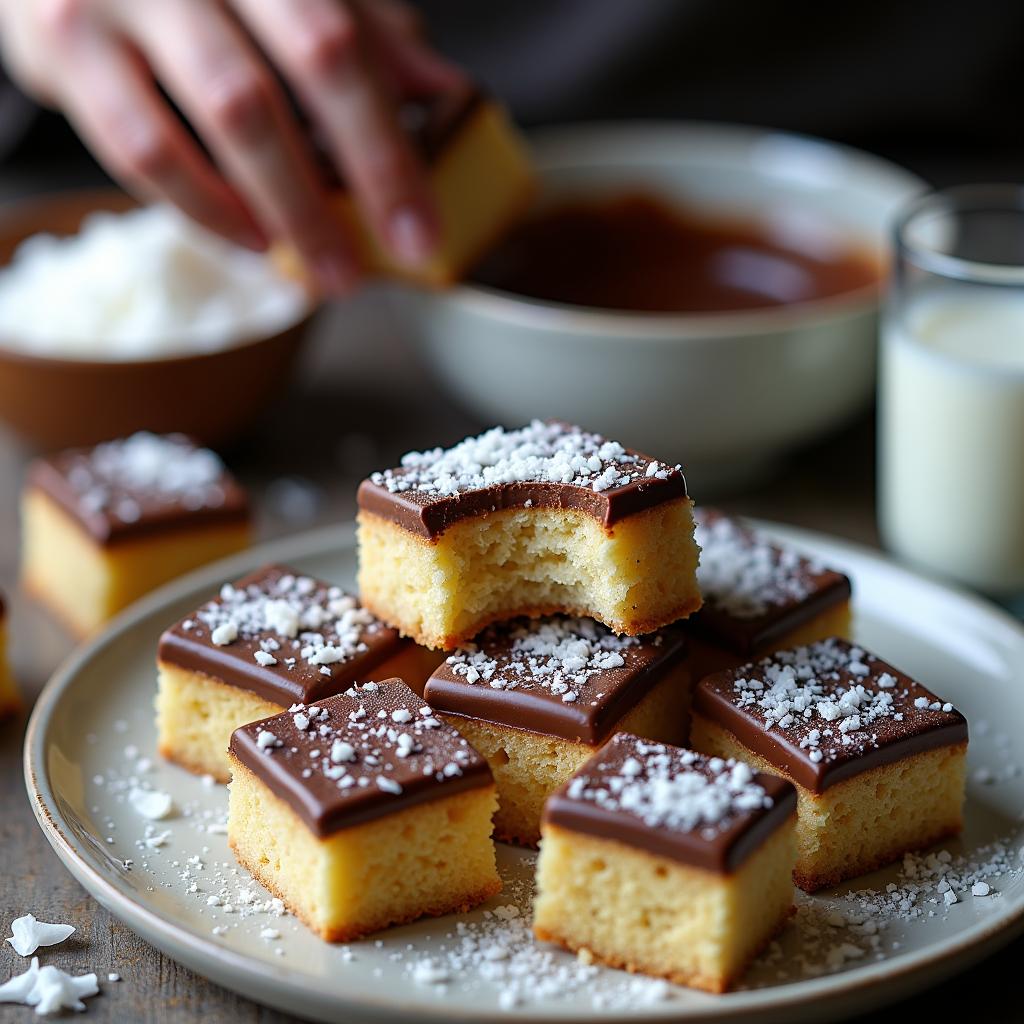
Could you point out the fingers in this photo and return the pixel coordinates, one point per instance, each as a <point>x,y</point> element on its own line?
<point>215,75</point>
<point>325,50</point>
<point>114,106</point>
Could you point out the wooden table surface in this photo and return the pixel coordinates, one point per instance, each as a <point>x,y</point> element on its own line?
<point>360,401</point>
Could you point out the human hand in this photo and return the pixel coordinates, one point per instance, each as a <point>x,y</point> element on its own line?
<point>104,62</point>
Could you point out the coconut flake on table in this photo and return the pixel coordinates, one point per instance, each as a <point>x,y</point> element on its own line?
<point>28,934</point>
<point>151,803</point>
<point>49,989</point>
<point>137,285</point>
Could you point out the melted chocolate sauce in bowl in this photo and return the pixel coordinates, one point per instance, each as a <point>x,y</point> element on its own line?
<point>636,252</point>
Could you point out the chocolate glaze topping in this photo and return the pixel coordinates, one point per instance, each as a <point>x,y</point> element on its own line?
<point>704,812</point>
<point>141,485</point>
<point>561,676</point>
<point>545,465</point>
<point>754,591</point>
<point>295,638</point>
<point>827,712</point>
<point>365,754</point>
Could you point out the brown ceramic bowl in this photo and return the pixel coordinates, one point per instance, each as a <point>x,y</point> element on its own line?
<point>57,403</point>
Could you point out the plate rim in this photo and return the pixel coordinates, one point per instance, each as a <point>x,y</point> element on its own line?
<point>272,984</point>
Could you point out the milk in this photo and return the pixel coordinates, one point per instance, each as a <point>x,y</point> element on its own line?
<point>951,441</point>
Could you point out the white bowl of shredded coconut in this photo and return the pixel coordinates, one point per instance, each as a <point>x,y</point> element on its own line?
<point>115,318</point>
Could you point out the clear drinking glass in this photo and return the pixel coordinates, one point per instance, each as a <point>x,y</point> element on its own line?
<point>951,393</point>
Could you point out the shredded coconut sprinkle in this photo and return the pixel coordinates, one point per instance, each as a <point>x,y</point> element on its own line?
<point>162,470</point>
<point>668,788</point>
<point>561,655</point>
<point>834,698</point>
<point>744,575</point>
<point>366,740</point>
<point>553,453</point>
<point>285,612</point>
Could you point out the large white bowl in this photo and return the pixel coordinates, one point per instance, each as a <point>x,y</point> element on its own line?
<point>722,393</point>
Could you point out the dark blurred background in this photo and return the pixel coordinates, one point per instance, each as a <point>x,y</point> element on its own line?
<point>935,86</point>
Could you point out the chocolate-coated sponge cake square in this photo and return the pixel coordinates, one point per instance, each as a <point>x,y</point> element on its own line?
<point>480,175</point>
<point>10,699</point>
<point>663,861</point>
<point>878,760</point>
<point>544,519</point>
<point>538,697</point>
<point>274,638</point>
<point>102,526</point>
<point>362,811</point>
<point>759,596</point>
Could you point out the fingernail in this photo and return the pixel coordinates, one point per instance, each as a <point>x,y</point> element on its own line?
<point>334,273</point>
<point>411,235</point>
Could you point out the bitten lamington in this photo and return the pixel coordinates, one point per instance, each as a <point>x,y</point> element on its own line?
<point>878,760</point>
<point>759,596</point>
<point>662,861</point>
<point>544,519</point>
<point>273,639</point>
<point>538,698</point>
<point>363,811</point>
<point>103,526</point>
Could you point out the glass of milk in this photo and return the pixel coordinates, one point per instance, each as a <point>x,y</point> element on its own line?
<point>951,393</point>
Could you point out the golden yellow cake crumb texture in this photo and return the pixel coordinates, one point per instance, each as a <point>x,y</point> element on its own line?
<point>634,577</point>
<point>85,583</point>
<point>528,766</point>
<point>426,860</point>
<point>196,715</point>
<point>866,821</point>
<point>646,913</point>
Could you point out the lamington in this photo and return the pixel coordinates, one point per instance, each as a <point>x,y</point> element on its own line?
<point>363,811</point>
<point>10,699</point>
<point>662,861</point>
<point>878,761</point>
<point>545,519</point>
<point>105,525</point>
<point>480,174</point>
<point>272,639</point>
<point>538,698</point>
<point>759,596</point>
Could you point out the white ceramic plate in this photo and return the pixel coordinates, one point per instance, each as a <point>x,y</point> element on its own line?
<point>78,773</point>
